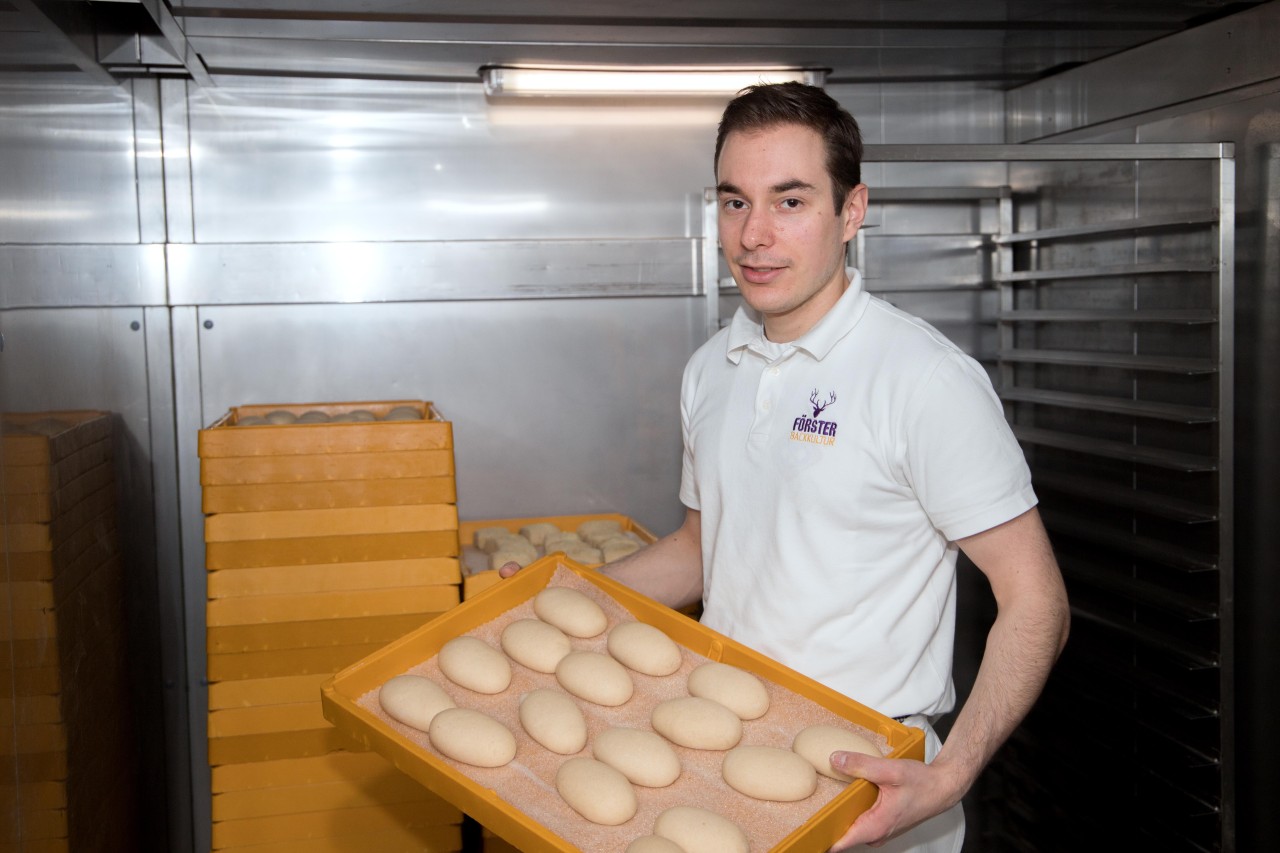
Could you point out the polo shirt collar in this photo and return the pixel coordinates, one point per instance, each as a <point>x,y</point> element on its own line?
<point>746,330</point>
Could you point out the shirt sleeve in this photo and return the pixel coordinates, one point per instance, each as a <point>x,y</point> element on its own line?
<point>960,456</point>
<point>688,480</point>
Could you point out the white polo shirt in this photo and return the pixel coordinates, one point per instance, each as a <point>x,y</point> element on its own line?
<point>833,474</point>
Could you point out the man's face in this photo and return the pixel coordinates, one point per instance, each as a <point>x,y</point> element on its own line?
<point>780,233</point>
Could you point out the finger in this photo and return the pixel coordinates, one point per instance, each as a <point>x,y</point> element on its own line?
<point>508,569</point>
<point>880,771</point>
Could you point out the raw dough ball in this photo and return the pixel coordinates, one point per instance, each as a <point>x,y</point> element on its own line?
<point>644,648</point>
<point>816,743</point>
<point>342,418</point>
<point>475,665</point>
<point>642,756</point>
<point>617,547</point>
<point>653,844</point>
<point>505,539</point>
<point>251,420</point>
<point>518,551</point>
<point>697,723</point>
<point>315,416</point>
<point>472,738</point>
<point>769,773</point>
<point>363,415</point>
<point>485,536</point>
<point>736,689</point>
<point>413,700</point>
<point>596,791</point>
<point>551,718</point>
<point>700,831</point>
<point>595,677</point>
<point>570,611</point>
<point>597,530</point>
<point>403,413</point>
<point>558,541</point>
<point>581,552</point>
<point>536,644</point>
<point>538,532</point>
<point>280,416</point>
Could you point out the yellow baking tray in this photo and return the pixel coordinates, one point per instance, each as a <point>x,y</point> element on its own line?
<point>268,746</point>
<point>353,767</point>
<point>48,477</point>
<point>306,607</point>
<point>78,428</point>
<point>333,577</point>
<point>293,524</point>
<point>460,785</point>
<point>42,507</point>
<point>285,690</point>
<point>422,839</point>
<point>390,788</point>
<point>355,822</point>
<point>247,470</point>
<point>309,550</point>
<point>314,633</point>
<point>323,494</point>
<point>476,574</point>
<point>227,438</point>
<point>275,663</point>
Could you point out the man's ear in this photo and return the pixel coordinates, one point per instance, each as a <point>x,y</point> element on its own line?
<point>854,211</point>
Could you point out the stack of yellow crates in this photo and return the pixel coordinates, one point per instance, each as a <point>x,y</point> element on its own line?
<point>326,537</point>
<point>66,729</point>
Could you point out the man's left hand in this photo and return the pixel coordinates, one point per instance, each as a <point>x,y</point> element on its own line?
<point>910,792</point>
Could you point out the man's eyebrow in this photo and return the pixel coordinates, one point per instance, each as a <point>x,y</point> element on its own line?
<point>793,184</point>
<point>725,188</point>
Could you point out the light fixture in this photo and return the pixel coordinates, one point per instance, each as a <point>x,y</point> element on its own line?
<point>601,81</point>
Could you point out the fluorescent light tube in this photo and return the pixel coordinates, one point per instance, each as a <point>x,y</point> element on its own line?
<point>509,81</point>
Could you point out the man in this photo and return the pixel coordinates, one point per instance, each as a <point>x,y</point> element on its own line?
<point>837,452</point>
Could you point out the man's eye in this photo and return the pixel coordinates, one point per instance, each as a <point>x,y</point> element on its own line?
<point>735,204</point>
<point>791,203</point>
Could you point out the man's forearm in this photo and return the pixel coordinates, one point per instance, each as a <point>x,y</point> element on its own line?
<point>1021,649</point>
<point>669,570</point>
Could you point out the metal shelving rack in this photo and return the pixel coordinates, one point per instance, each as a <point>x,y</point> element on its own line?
<point>1114,359</point>
<point>1117,379</point>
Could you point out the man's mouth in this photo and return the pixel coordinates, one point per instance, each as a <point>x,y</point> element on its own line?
<point>760,273</point>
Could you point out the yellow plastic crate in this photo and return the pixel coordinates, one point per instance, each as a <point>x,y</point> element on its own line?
<point>227,438</point>
<point>314,633</point>
<point>314,550</point>
<point>393,787</point>
<point>332,577</point>
<point>425,839</point>
<point>306,607</point>
<point>312,826</point>
<point>352,767</point>
<point>276,663</point>
<point>257,497</point>
<point>492,796</point>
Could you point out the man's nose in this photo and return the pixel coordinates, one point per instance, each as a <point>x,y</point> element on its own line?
<point>757,230</point>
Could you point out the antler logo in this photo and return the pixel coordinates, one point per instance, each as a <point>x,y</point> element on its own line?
<point>819,407</point>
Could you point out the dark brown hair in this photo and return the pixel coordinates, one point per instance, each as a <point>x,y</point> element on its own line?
<point>772,104</point>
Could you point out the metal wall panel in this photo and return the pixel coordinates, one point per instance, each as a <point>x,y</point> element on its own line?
<point>231,274</point>
<point>1225,59</point>
<point>68,173</point>
<point>308,161</point>
<point>558,406</point>
<point>54,275</point>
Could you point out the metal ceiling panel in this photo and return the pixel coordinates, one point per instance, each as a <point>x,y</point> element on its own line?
<point>1005,42</point>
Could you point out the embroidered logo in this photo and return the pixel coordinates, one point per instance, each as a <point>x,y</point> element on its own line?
<point>813,429</point>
